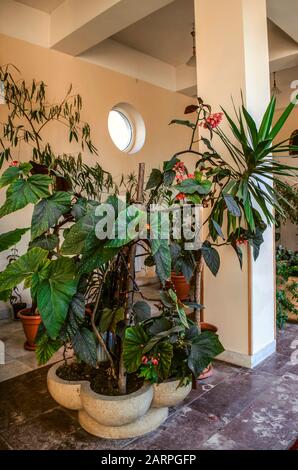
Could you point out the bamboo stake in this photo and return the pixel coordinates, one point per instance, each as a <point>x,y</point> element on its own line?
<point>131,281</point>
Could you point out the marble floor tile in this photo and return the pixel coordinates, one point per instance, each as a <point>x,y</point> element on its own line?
<point>13,368</point>
<point>46,431</point>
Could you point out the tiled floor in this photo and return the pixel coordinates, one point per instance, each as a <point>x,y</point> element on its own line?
<point>234,409</point>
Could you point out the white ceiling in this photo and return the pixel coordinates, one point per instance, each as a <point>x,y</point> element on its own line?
<point>284,13</point>
<point>164,35</point>
<point>44,5</point>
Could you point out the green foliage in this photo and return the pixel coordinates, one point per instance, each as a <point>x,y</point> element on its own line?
<point>211,257</point>
<point>11,238</point>
<point>286,291</point>
<point>55,292</point>
<point>23,269</point>
<point>167,346</point>
<point>141,311</point>
<point>203,349</point>
<point>48,211</point>
<point>110,318</point>
<point>22,192</point>
<point>84,346</point>
<point>46,348</point>
<point>133,345</point>
<point>14,172</point>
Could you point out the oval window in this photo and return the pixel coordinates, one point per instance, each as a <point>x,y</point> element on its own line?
<point>120,130</point>
<point>126,128</point>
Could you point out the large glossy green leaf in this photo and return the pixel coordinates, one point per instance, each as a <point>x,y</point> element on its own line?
<point>13,172</point>
<point>165,350</point>
<point>23,268</point>
<point>96,257</point>
<point>126,225</point>
<point>25,191</point>
<point>232,205</point>
<point>12,237</point>
<point>46,242</point>
<point>203,350</point>
<point>55,293</point>
<point>155,179</point>
<point>76,239</point>
<point>191,186</point>
<point>162,258</point>
<point>161,336</point>
<point>141,311</point>
<point>84,345</point>
<point>46,348</point>
<point>48,211</point>
<point>211,257</point>
<point>109,319</point>
<point>134,342</point>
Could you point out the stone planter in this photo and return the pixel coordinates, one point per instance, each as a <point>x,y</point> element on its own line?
<point>116,417</point>
<point>169,393</point>
<point>65,392</point>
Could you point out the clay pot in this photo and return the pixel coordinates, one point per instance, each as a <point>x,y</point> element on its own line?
<point>30,326</point>
<point>181,286</point>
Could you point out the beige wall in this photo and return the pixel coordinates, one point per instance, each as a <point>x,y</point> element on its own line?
<point>100,89</point>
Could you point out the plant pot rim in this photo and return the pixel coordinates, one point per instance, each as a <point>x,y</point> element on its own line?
<point>52,374</point>
<point>86,388</point>
<point>85,385</point>
<point>173,274</point>
<point>23,314</point>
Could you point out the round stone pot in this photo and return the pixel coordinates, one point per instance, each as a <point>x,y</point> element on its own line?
<point>168,393</point>
<point>116,410</point>
<point>65,392</point>
<point>111,417</point>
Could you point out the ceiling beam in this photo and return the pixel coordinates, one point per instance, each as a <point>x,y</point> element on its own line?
<point>77,26</point>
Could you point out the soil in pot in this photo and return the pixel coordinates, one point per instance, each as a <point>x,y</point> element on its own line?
<point>100,379</point>
<point>30,325</point>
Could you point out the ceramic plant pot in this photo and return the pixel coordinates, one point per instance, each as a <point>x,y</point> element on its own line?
<point>30,326</point>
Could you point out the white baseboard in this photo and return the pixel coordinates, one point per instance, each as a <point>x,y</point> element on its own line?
<point>246,360</point>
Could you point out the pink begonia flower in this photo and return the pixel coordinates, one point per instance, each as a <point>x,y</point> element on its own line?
<point>14,163</point>
<point>212,121</point>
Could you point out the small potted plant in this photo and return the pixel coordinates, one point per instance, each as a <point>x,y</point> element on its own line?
<point>168,350</point>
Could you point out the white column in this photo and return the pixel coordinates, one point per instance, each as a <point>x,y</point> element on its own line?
<point>232,55</point>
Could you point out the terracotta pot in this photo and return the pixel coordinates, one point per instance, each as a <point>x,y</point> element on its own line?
<point>30,326</point>
<point>181,286</point>
<point>208,327</point>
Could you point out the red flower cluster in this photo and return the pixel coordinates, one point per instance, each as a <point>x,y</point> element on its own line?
<point>152,360</point>
<point>241,241</point>
<point>14,163</point>
<point>212,121</point>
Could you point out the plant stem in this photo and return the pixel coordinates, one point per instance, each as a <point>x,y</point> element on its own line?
<point>131,281</point>
<point>97,333</point>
